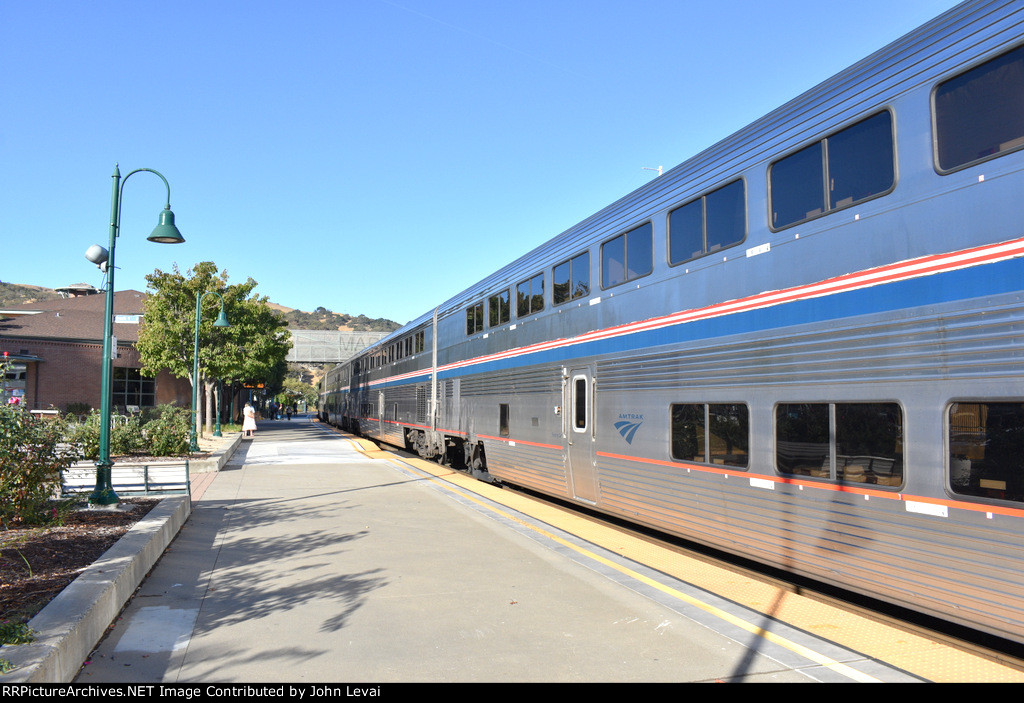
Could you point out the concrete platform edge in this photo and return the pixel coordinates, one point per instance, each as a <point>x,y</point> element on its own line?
<point>71,625</point>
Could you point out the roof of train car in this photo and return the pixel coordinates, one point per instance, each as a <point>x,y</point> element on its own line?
<point>975,27</point>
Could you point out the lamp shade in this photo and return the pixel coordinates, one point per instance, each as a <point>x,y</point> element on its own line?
<point>165,231</point>
<point>222,320</point>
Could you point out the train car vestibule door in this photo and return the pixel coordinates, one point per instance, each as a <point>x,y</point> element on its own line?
<point>580,434</point>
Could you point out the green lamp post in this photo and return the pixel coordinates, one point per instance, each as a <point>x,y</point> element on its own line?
<point>222,321</point>
<point>164,233</point>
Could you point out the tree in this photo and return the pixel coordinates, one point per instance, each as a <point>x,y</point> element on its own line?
<point>250,350</point>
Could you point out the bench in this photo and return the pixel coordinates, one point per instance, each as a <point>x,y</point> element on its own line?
<point>130,479</point>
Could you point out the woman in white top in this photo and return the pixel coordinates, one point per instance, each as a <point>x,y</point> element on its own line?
<point>249,423</point>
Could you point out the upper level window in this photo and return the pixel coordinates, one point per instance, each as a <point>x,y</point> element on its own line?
<point>628,256</point>
<point>499,310</point>
<point>571,279</point>
<point>707,224</point>
<point>530,296</point>
<point>475,318</point>
<point>980,114</point>
<point>845,168</point>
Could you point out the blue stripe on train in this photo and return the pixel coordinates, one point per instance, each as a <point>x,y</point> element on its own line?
<point>936,289</point>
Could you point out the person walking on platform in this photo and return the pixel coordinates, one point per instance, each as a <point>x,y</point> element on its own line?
<point>249,423</point>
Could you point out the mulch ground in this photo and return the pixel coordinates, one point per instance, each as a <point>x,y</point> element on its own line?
<point>37,563</point>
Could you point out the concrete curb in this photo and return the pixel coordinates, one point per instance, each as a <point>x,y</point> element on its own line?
<point>68,628</point>
<point>215,463</point>
<point>71,625</point>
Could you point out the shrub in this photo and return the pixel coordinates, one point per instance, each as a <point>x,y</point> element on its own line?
<point>126,436</point>
<point>168,434</point>
<point>78,408</point>
<point>31,461</point>
<point>84,435</point>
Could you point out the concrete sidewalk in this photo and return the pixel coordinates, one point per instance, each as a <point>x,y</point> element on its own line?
<point>67,629</point>
<point>314,558</point>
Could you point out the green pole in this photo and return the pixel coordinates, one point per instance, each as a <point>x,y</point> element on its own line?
<point>222,321</point>
<point>104,493</point>
<point>164,233</point>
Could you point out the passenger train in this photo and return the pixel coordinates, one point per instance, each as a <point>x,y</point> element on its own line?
<point>804,345</point>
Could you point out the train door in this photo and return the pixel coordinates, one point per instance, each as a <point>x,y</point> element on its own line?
<point>580,434</point>
<point>380,413</point>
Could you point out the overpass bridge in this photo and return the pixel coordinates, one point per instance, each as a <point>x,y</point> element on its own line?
<point>329,346</point>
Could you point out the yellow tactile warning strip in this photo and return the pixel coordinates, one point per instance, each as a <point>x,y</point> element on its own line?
<point>918,655</point>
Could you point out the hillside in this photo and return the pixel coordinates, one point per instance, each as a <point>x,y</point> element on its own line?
<point>15,294</point>
<point>320,319</point>
<point>324,319</point>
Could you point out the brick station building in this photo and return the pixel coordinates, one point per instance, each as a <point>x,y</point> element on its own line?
<point>55,348</point>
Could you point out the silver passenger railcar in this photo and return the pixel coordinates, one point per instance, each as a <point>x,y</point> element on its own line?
<point>804,345</point>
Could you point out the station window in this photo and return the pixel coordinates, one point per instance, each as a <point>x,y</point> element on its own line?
<point>845,168</point>
<point>986,449</point>
<point>853,442</point>
<point>475,318</point>
<point>130,387</point>
<point>711,433</point>
<point>498,309</point>
<point>628,256</point>
<point>571,279</point>
<point>980,114</point>
<point>709,223</point>
<point>530,296</point>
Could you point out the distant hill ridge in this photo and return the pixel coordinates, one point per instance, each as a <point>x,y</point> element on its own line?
<point>320,319</point>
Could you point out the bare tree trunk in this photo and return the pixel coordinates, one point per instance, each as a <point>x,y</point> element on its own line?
<point>208,387</point>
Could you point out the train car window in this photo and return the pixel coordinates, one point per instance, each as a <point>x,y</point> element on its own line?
<point>571,279</point>
<point>503,419</point>
<point>714,221</point>
<point>475,318</point>
<point>851,442</point>
<point>986,446</point>
<point>861,161</point>
<point>530,296</point>
<point>845,168</point>
<point>580,405</point>
<point>979,114</point>
<point>499,310</point>
<point>627,256</point>
<point>797,184</point>
<point>711,433</point>
<point>420,344</point>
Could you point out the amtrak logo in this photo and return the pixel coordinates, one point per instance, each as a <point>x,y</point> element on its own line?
<point>628,424</point>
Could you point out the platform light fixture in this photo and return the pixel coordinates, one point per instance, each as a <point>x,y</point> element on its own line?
<point>164,233</point>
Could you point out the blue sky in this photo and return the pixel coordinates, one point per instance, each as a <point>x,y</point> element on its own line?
<point>376,156</point>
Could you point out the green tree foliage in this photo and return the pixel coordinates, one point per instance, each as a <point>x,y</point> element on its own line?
<point>31,461</point>
<point>162,431</point>
<point>294,390</point>
<point>249,351</point>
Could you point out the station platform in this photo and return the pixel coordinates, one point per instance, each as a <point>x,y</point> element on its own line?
<point>313,556</point>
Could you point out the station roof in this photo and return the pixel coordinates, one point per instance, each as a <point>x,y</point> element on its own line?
<point>77,318</point>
